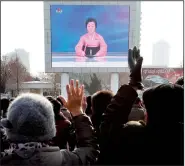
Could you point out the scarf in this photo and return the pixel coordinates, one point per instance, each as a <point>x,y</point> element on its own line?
<point>24,150</point>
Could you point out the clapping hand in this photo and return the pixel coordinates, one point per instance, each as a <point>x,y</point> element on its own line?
<point>74,98</point>
<point>135,64</point>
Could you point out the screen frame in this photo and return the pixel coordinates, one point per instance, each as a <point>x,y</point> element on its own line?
<point>134,37</point>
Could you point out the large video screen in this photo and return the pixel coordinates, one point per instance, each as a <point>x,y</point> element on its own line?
<point>89,33</point>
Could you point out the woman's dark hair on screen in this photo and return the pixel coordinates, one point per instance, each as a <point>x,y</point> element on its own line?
<point>91,20</point>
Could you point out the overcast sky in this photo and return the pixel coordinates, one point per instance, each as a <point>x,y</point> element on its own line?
<point>22,26</point>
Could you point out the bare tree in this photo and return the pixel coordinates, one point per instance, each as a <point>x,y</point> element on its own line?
<point>94,85</point>
<point>79,76</point>
<point>105,80</point>
<point>36,79</point>
<point>5,75</point>
<point>56,84</point>
<point>44,76</point>
<point>54,79</point>
<point>86,77</point>
<point>18,74</point>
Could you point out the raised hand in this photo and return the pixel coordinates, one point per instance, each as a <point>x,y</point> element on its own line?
<point>135,65</point>
<point>74,98</point>
<point>133,56</point>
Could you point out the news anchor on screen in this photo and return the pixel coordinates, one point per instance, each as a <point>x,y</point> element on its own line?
<point>91,44</point>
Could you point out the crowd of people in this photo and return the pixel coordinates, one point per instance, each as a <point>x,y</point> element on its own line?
<point>101,129</point>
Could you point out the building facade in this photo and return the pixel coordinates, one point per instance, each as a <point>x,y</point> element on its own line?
<point>160,54</point>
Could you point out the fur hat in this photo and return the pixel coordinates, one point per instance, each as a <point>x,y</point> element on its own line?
<point>30,118</point>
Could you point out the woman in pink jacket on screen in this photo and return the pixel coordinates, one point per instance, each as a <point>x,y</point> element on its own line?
<point>91,44</point>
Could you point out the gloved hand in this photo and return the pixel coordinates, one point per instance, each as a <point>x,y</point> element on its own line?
<point>135,65</point>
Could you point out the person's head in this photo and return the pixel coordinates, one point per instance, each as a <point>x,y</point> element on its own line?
<point>164,105</point>
<point>91,25</point>
<point>30,118</point>
<point>132,127</point>
<point>100,100</point>
<point>61,103</point>
<point>180,81</point>
<point>56,107</point>
<point>133,138</point>
<point>88,109</point>
<point>64,111</point>
<point>4,105</point>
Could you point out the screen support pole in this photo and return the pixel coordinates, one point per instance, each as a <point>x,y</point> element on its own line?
<point>64,82</point>
<point>114,82</point>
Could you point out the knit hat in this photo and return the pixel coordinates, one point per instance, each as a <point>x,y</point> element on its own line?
<point>30,118</point>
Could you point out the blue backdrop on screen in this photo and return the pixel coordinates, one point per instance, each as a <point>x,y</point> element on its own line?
<point>68,25</point>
